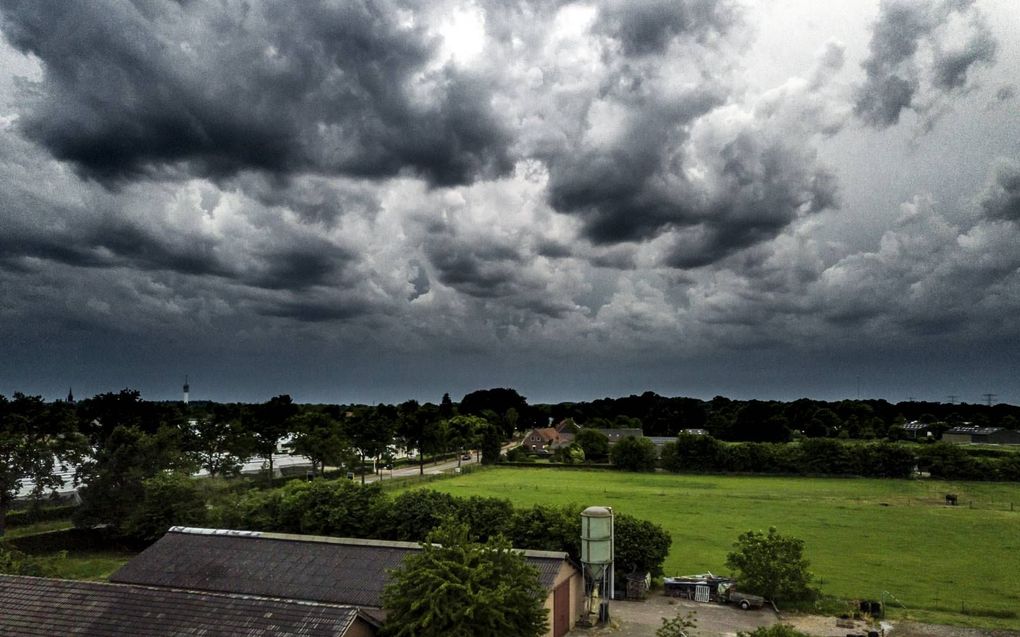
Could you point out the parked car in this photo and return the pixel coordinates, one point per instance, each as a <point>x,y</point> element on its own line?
<point>466,456</point>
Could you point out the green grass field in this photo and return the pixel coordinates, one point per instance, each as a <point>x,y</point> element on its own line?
<point>864,538</point>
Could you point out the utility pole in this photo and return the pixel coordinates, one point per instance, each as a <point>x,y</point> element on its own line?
<point>952,398</point>
<point>989,398</point>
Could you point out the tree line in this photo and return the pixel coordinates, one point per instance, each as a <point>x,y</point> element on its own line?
<point>117,439</point>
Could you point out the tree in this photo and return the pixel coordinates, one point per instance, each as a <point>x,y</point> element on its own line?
<point>220,446</point>
<point>692,452</point>
<point>771,565</point>
<point>269,423</point>
<point>370,431</point>
<point>634,454</point>
<point>641,546</point>
<point>594,443</point>
<point>417,426</point>
<point>321,439</point>
<point>170,499</point>
<point>113,481</point>
<point>491,444</point>
<point>34,437</point>
<point>464,432</point>
<point>455,587</point>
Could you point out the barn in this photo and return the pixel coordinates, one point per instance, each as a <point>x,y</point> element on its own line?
<point>339,571</point>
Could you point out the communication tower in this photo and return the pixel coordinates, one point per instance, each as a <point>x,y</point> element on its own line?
<point>186,388</point>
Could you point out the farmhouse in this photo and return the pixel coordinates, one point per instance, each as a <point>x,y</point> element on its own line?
<point>39,606</point>
<point>982,435</point>
<point>545,438</point>
<point>325,570</point>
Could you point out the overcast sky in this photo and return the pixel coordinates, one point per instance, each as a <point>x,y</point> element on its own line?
<point>373,201</point>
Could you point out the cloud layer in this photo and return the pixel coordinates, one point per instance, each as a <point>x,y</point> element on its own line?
<point>396,180</point>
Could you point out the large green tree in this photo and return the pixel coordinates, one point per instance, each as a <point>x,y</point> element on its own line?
<point>220,446</point>
<point>321,439</point>
<point>594,443</point>
<point>269,423</point>
<point>771,565</point>
<point>34,436</point>
<point>455,587</point>
<point>113,479</point>
<point>371,431</point>
<point>634,454</point>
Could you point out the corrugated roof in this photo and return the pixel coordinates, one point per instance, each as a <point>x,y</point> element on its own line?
<point>34,606</point>
<point>975,431</point>
<point>316,568</point>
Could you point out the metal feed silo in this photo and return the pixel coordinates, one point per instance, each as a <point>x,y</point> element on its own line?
<point>597,557</point>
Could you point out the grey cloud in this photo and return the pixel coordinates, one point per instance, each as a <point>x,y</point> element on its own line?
<point>476,268</point>
<point>315,199</point>
<point>316,311</point>
<point>766,186</point>
<point>1005,93</point>
<point>300,267</point>
<point>893,68</point>
<point>951,67</point>
<point>553,249</point>
<point>623,192</point>
<point>1001,197</point>
<point>111,242</point>
<point>136,88</point>
<point>647,26</point>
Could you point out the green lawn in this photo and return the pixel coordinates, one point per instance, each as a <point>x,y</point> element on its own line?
<point>863,537</point>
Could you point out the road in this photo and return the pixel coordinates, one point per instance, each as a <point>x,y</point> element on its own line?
<point>447,466</point>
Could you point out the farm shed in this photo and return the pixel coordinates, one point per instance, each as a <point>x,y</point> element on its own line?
<point>320,569</point>
<point>982,435</point>
<point>36,606</point>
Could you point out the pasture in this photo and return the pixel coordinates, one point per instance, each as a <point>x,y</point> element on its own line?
<point>866,539</point>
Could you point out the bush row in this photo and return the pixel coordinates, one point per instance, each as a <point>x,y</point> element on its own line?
<point>22,517</point>
<point>815,456</point>
<point>826,456</point>
<point>345,509</point>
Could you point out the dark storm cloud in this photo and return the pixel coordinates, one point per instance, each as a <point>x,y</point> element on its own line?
<point>638,189</point>
<point>621,192</point>
<point>767,186</point>
<point>647,26</point>
<point>112,242</point>
<point>300,267</point>
<point>893,70</point>
<point>340,88</point>
<point>477,268</point>
<point>1001,197</point>
<point>553,249</point>
<point>314,199</point>
<point>316,311</point>
<point>951,67</point>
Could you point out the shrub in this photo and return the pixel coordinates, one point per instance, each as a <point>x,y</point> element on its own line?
<point>634,454</point>
<point>771,565</point>
<point>168,499</point>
